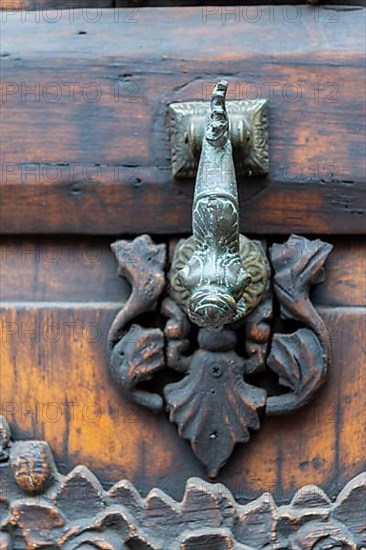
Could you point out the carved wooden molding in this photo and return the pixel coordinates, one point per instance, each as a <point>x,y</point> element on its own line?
<point>40,508</point>
<point>212,404</point>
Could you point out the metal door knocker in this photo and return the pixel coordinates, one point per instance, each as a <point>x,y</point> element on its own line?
<point>224,284</point>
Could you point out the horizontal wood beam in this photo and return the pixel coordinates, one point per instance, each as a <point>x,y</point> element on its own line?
<point>33,5</point>
<point>112,208</point>
<point>51,5</point>
<point>85,135</point>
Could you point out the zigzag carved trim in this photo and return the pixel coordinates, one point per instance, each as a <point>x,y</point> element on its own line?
<point>43,509</point>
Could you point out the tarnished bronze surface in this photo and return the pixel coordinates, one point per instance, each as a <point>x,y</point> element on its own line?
<point>217,276</point>
<point>248,131</point>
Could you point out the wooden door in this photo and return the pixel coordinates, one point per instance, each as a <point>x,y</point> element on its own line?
<point>86,161</point>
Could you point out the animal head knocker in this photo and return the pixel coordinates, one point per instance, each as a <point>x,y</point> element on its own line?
<point>212,281</point>
<point>219,280</point>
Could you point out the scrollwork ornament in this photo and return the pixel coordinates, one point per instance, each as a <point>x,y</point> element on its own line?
<point>213,405</point>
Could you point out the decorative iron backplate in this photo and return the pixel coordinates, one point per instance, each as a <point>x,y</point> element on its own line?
<point>41,508</point>
<point>213,405</point>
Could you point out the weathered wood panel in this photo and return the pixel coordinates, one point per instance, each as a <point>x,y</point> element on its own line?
<point>55,386</point>
<point>76,270</point>
<point>46,6</point>
<point>161,209</point>
<point>54,270</point>
<point>101,163</point>
<point>345,284</point>
<point>226,11</point>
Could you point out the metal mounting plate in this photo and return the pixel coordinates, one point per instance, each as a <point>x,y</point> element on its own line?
<point>248,132</point>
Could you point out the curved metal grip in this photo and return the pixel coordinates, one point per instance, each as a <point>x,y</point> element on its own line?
<point>215,276</point>
<point>213,281</point>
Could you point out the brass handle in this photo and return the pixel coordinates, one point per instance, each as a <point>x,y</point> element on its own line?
<point>211,284</point>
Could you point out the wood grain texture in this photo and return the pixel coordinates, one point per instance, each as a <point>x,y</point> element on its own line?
<point>101,163</point>
<point>75,4</point>
<point>345,284</point>
<point>55,270</point>
<point>46,6</point>
<point>170,3</point>
<point>62,270</point>
<point>55,386</point>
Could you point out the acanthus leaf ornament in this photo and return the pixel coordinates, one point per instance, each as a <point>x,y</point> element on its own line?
<point>137,353</point>
<point>301,358</point>
<point>221,281</point>
<point>212,405</point>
